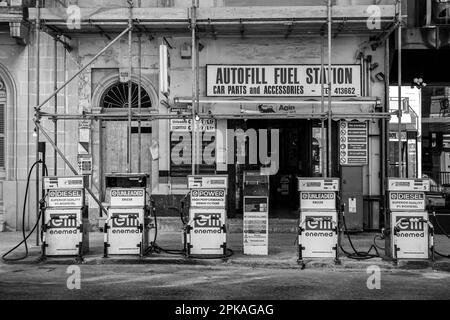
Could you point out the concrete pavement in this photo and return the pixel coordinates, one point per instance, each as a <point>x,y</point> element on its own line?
<point>282,253</point>
<point>217,282</point>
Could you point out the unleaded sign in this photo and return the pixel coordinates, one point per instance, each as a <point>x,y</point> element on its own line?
<point>353,143</point>
<point>281,80</point>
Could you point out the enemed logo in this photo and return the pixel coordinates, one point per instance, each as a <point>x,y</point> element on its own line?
<point>63,221</point>
<point>208,220</point>
<point>318,223</point>
<point>125,220</point>
<point>408,223</point>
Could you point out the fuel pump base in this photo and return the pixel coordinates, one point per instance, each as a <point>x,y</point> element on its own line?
<point>318,227</point>
<point>65,218</point>
<point>127,225</point>
<point>206,232</point>
<point>410,233</point>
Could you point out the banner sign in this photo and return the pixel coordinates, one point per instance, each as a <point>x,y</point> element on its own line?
<point>353,146</point>
<point>256,224</point>
<point>281,80</point>
<point>407,201</point>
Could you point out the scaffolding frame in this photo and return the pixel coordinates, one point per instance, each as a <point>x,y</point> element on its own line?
<point>193,23</point>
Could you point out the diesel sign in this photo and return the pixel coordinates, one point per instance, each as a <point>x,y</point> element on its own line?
<point>407,201</point>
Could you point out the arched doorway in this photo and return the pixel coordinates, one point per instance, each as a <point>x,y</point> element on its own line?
<point>114,133</point>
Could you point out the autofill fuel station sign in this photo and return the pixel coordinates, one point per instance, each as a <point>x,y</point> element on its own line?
<point>281,80</point>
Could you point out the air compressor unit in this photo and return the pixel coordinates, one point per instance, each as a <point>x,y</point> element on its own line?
<point>410,234</point>
<point>127,224</point>
<point>206,232</point>
<point>318,222</point>
<point>65,217</point>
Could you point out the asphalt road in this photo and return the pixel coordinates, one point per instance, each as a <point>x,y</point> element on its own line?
<point>214,282</point>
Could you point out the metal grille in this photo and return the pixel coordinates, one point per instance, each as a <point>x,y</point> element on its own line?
<point>116,97</point>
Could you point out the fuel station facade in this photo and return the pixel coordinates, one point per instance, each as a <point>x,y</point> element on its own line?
<point>218,112</point>
<point>256,72</point>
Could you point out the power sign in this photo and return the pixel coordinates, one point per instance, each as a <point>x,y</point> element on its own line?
<point>208,198</point>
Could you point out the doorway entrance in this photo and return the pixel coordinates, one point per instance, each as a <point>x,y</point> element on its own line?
<point>298,156</point>
<point>114,133</point>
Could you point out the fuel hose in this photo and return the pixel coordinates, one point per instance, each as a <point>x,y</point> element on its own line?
<point>358,255</point>
<point>444,232</point>
<point>24,236</point>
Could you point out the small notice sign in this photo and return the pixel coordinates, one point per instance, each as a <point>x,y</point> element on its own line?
<point>256,223</point>
<point>353,143</point>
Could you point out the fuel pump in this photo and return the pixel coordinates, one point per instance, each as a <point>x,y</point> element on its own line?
<point>127,224</point>
<point>318,224</point>
<point>65,217</point>
<point>206,232</point>
<point>409,232</point>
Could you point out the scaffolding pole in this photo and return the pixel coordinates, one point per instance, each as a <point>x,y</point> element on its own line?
<point>194,83</point>
<point>55,120</point>
<point>39,114</point>
<point>37,79</point>
<point>139,101</point>
<point>130,82</point>
<point>323,149</point>
<point>399,116</point>
<point>40,105</point>
<point>330,169</point>
<point>63,157</point>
